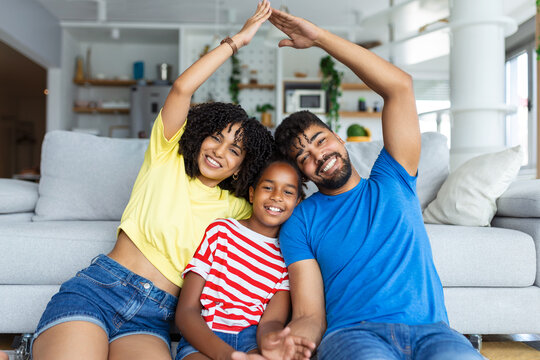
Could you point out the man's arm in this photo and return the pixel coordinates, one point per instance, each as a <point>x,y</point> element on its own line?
<point>307,297</point>
<point>401,130</point>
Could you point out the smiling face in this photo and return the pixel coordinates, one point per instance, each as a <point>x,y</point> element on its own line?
<point>322,157</point>
<point>274,198</point>
<point>220,156</point>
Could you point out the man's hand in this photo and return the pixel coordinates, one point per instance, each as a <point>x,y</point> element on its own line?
<point>302,34</point>
<point>253,24</point>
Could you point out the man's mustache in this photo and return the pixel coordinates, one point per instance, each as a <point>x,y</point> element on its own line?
<point>323,160</point>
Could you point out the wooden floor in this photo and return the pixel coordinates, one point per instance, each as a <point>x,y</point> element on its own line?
<point>533,341</point>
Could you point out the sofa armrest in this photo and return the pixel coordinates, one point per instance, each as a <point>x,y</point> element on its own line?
<point>522,199</point>
<point>530,226</point>
<point>17,196</point>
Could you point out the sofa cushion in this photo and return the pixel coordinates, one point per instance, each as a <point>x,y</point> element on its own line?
<point>17,217</point>
<point>49,253</point>
<point>468,196</point>
<point>85,177</point>
<point>522,199</point>
<point>432,169</point>
<point>530,226</point>
<point>17,196</point>
<point>482,256</point>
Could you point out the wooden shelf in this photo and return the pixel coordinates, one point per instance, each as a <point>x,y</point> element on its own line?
<point>354,86</point>
<point>362,114</point>
<point>105,82</point>
<point>256,86</point>
<point>85,110</point>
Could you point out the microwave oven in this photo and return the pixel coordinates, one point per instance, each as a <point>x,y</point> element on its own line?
<point>313,100</point>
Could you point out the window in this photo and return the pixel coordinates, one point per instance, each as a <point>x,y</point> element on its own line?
<point>520,124</point>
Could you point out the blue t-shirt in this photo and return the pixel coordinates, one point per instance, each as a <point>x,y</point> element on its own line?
<point>372,248</point>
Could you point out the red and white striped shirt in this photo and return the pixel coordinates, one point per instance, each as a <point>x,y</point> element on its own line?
<point>243,270</point>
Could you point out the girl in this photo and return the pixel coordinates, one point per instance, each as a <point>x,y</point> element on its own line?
<point>237,273</point>
<point>194,171</point>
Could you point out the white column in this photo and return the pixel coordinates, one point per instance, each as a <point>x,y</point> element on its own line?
<point>477,57</point>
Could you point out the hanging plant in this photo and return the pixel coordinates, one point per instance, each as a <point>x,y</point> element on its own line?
<point>234,80</point>
<point>331,82</point>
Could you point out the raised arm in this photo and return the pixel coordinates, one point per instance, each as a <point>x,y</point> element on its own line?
<point>176,106</point>
<point>401,130</point>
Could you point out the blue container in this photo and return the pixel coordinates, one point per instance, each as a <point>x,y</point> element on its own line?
<point>138,70</point>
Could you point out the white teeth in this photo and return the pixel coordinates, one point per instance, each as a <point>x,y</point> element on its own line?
<point>212,161</point>
<point>330,164</point>
<point>271,208</point>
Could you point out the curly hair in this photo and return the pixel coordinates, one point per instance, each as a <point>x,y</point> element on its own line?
<point>207,119</point>
<point>291,128</point>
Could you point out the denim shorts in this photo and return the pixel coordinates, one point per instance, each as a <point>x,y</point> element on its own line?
<point>245,340</point>
<point>114,298</point>
<point>397,342</point>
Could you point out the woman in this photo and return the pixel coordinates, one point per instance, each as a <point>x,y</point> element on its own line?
<point>120,306</point>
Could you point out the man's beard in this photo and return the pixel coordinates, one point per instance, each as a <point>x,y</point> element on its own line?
<point>339,178</point>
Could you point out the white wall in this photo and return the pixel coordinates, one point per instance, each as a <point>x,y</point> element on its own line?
<point>30,29</point>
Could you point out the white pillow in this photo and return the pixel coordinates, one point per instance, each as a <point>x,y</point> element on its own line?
<point>469,194</point>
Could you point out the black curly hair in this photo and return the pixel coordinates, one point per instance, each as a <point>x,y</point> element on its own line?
<point>277,157</point>
<point>291,128</point>
<point>207,119</point>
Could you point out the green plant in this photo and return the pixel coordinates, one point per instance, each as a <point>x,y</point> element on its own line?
<point>234,79</point>
<point>331,83</point>
<point>264,108</point>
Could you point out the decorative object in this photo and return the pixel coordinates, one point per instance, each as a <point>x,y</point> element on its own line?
<point>266,116</point>
<point>469,194</point>
<point>234,79</point>
<point>362,104</point>
<point>253,77</point>
<point>88,72</point>
<point>79,69</point>
<point>331,82</point>
<point>357,132</point>
<point>138,70</point>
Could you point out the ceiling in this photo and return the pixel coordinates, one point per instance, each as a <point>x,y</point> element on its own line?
<point>325,13</point>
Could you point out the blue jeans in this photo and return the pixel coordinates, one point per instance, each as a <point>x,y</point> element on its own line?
<point>382,341</point>
<point>245,340</point>
<point>114,298</point>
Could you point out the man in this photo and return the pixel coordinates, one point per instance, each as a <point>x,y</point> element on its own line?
<point>358,250</point>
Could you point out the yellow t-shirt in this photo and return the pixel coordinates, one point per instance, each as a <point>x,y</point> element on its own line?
<point>168,211</point>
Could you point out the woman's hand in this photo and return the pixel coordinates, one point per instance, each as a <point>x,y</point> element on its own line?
<point>302,34</point>
<point>253,24</point>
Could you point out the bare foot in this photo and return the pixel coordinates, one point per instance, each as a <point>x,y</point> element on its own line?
<point>3,356</point>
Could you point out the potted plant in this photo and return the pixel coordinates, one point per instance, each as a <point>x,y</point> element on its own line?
<point>266,116</point>
<point>356,133</point>
<point>331,82</point>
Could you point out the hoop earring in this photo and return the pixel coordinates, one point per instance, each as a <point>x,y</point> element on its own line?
<point>235,177</point>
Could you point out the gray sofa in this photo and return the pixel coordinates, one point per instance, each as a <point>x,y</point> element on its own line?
<point>491,275</point>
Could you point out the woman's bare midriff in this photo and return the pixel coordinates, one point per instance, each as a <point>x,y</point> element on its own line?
<point>128,255</point>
